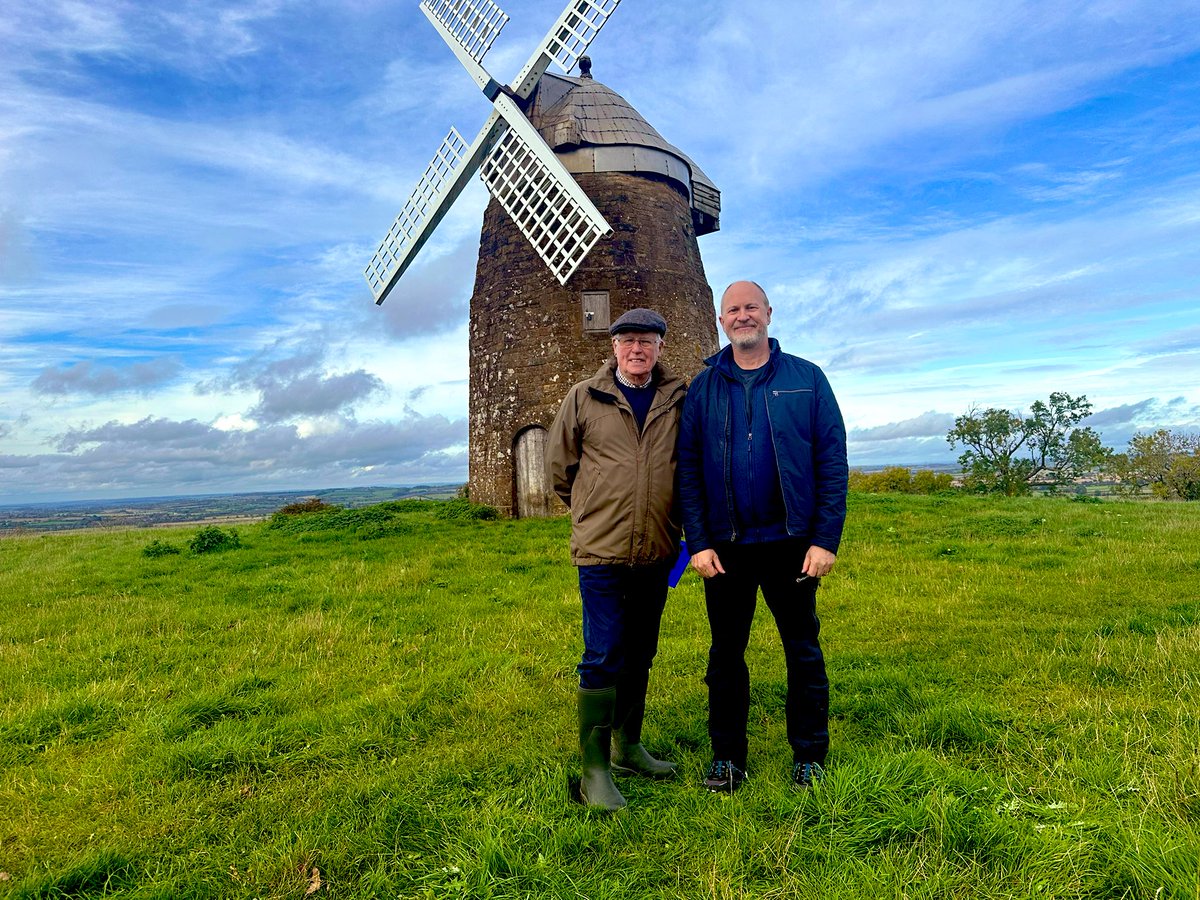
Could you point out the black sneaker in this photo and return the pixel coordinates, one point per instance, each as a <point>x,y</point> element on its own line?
<point>723,777</point>
<point>806,774</point>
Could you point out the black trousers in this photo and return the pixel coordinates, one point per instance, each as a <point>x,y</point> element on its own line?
<point>775,567</point>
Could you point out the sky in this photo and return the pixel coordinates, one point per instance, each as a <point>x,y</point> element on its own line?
<point>952,206</point>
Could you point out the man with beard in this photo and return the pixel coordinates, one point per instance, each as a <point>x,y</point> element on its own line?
<point>762,480</point>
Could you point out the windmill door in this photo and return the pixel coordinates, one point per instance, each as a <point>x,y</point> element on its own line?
<point>529,473</point>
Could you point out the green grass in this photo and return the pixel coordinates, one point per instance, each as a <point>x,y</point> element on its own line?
<point>387,696</point>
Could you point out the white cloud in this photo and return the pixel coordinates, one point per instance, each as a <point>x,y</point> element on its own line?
<point>949,204</point>
<point>156,455</point>
<point>88,377</point>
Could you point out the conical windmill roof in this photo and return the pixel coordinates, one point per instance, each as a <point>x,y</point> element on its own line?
<point>594,129</point>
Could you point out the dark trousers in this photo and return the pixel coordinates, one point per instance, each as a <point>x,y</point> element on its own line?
<point>775,567</point>
<point>622,610</point>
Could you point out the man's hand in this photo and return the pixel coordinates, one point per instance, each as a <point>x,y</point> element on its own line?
<point>707,564</point>
<point>818,562</point>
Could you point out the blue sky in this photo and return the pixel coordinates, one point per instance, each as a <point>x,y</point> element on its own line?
<point>950,204</point>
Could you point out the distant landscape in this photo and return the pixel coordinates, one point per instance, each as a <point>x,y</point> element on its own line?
<point>149,512</point>
<point>222,509</point>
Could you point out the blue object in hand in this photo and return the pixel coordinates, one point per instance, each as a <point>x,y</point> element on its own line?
<point>681,564</point>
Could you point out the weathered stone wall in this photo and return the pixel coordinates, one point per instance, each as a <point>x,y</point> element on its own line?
<point>527,340</point>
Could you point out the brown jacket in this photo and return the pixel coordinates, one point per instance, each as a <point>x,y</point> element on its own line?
<point>619,485</point>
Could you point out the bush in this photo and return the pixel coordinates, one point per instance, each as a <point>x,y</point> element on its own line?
<point>157,548</point>
<point>212,539</point>
<point>291,514</point>
<point>303,507</point>
<point>899,480</point>
<point>382,519</point>
<point>1168,462</point>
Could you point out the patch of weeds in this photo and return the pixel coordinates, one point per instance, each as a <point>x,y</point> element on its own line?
<point>157,548</point>
<point>212,539</point>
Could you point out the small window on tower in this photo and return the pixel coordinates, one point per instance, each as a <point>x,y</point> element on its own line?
<point>595,312</point>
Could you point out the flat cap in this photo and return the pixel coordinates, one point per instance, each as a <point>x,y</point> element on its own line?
<point>639,320</point>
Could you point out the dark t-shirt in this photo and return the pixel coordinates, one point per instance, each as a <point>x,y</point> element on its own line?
<point>640,398</point>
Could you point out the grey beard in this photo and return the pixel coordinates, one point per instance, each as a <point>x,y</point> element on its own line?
<point>748,341</point>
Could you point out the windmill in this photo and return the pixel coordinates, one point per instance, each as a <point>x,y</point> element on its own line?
<point>552,147</point>
<point>519,169</point>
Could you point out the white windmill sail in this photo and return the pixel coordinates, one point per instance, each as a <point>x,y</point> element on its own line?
<point>473,23</point>
<point>519,168</point>
<point>565,42</point>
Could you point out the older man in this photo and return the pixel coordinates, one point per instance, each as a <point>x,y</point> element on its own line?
<point>762,481</point>
<point>611,458</point>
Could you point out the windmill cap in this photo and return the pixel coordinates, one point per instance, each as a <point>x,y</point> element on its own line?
<point>640,320</point>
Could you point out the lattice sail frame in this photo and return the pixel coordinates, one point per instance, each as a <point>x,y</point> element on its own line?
<point>565,42</point>
<point>517,166</point>
<point>576,27</point>
<point>425,198</point>
<point>475,24</point>
<point>560,228</point>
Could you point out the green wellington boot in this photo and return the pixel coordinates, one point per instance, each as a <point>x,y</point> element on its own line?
<point>629,756</point>
<point>596,787</point>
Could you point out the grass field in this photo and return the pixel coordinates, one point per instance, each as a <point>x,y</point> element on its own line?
<point>380,703</point>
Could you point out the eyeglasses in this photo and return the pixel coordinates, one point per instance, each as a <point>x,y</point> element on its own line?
<point>644,343</point>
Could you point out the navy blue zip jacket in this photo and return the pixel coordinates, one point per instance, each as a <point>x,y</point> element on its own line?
<point>806,432</point>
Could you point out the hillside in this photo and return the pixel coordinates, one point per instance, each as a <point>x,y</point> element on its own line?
<point>379,702</point>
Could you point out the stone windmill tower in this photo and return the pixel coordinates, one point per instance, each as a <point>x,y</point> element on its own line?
<point>592,213</point>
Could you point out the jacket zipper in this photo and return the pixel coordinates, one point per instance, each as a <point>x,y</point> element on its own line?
<point>733,532</point>
<point>787,514</point>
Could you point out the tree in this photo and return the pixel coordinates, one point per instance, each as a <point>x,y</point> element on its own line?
<point>1168,462</point>
<point>1007,453</point>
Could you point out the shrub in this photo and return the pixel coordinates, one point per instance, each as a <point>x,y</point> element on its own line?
<point>289,516</point>
<point>1168,462</point>
<point>157,548</point>
<point>927,481</point>
<point>303,507</point>
<point>899,480</point>
<point>382,519</point>
<point>212,539</point>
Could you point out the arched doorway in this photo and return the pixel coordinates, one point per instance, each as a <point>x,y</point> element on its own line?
<point>529,473</point>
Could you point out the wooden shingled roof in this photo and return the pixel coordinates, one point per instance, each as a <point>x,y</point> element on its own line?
<point>579,113</point>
